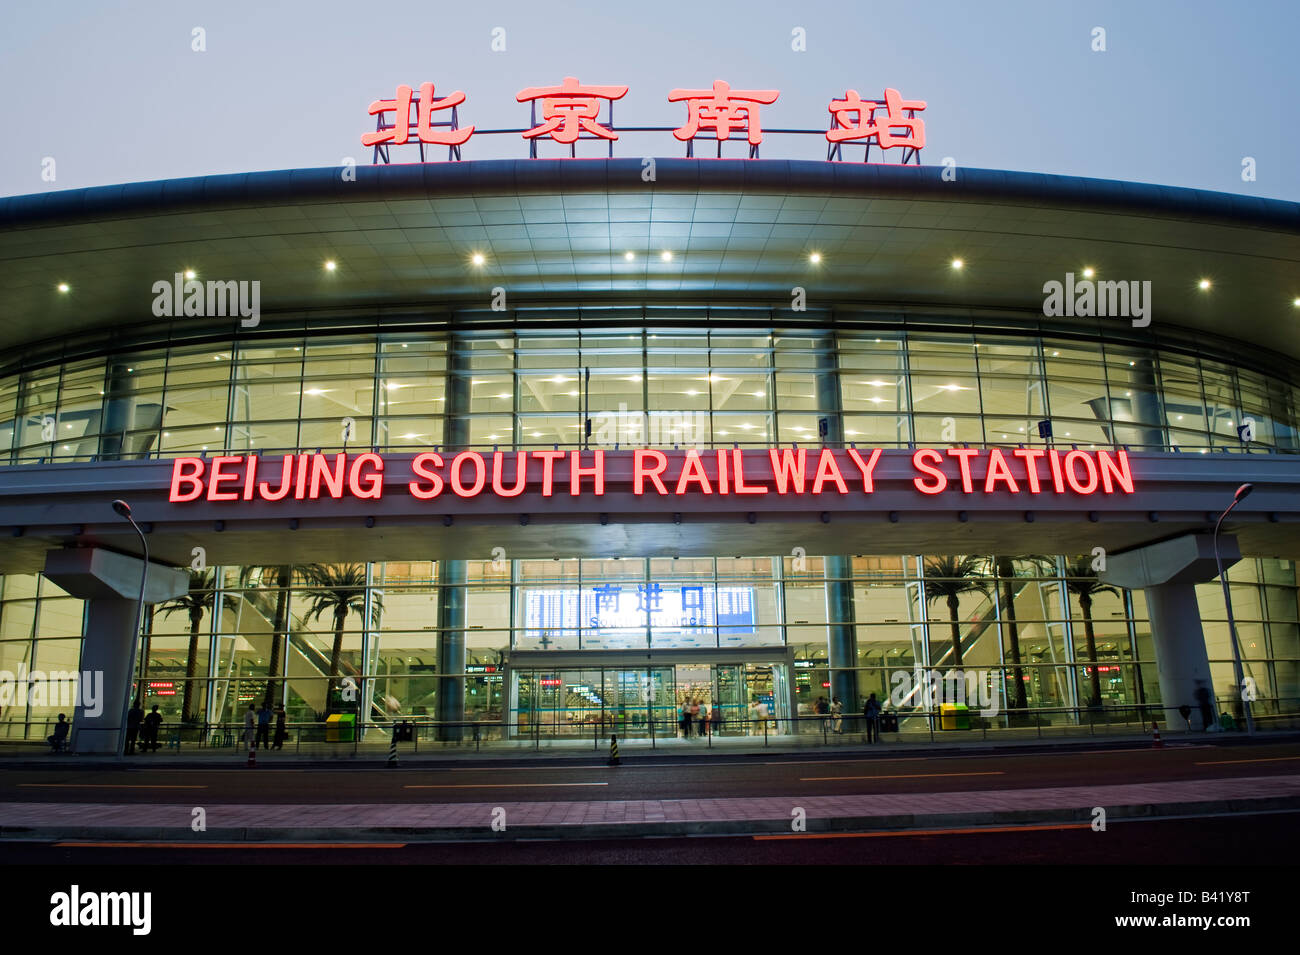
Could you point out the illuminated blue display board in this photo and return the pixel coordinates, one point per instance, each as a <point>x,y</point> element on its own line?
<point>615,615</point>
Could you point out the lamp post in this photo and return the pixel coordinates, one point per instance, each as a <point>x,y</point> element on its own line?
<point>1241,495</point>
<point>124,509</point>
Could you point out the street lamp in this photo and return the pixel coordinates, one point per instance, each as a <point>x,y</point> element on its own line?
<point>124,510</point>
<point>1241,495</point>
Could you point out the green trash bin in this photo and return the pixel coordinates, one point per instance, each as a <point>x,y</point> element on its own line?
<point>340,727</point>
<point>954,716</point>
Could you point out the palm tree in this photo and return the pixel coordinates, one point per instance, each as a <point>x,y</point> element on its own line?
<point>283,575</point>
<point>197,601</point>
<point>948,578</point>
<point>1004,568</point>
<point>1081,580</point>
<point>338,590</point>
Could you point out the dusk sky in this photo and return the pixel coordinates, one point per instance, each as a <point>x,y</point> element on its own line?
<point>114,93</point>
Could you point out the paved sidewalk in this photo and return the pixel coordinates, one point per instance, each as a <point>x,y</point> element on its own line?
<point>608,818</point>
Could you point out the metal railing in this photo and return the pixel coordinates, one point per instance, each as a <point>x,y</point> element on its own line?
<point>155,454</point>
<point>911,725</point>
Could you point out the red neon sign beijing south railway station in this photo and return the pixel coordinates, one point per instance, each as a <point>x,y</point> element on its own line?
<point>777,471</point>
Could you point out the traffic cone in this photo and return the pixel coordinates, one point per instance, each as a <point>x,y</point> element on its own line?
<point>392,750</point>
<point>1156,742</point>
<point>252,755</point>
<point>613,751</point>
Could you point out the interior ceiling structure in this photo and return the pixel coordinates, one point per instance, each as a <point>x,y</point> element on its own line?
<point>736,230</point>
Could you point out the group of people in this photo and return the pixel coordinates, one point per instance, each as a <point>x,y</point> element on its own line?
<point>694,719</point>
<point>257,726</point>
<point>142,729</point>
<point>834,710</point>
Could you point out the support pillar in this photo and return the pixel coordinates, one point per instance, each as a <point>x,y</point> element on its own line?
<point>1168,571</point>
<point>842,649</point>
<point>453,574</point>
<point>110,583</point>
<point>451,647</point>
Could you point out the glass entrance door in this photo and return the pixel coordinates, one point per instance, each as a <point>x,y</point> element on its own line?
<point>591,702</point>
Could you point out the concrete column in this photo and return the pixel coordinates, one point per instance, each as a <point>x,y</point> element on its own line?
<point>841,634</point>
<point>110,582</point>
<point>1179,641</point>
<point>1168,571</point>
<point>452,574</point>
<point>106,649</point>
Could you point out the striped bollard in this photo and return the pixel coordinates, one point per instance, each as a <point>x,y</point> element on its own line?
<point>613,751</point>
<point>392,749</point>
<point>252,754</point>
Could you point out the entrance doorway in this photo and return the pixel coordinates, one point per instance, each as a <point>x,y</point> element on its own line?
<point>589,702</point>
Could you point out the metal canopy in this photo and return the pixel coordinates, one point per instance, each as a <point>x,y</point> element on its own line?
<point>403,235</point>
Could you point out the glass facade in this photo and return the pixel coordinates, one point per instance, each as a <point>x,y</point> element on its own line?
<point>772,612</point>
<point>760,626</point>
<point>892,386</point>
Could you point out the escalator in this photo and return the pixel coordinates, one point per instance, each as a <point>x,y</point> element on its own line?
<point>306,666</point>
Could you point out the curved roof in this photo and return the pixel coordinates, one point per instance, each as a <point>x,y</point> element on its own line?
<point>558,230</point>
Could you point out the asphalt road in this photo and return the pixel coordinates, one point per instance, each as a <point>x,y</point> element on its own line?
<point>1243,839</point>
<point>644,777</point>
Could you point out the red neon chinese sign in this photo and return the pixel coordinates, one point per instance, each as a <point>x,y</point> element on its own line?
<point>853,119</point>
<point>648,472</point>
<point>570,109</point>
<point>722,110</point>
<point>400,106</point>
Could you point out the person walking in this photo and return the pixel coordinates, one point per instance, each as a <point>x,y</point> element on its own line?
<point>684,719</point>
<point>694,721</point>
<point>715,718</point>
<point>755,729</point>
<point>871,717</point>
<point>281,731</point>
<point>151,724</point>
<point>133,718</point>
<point>820,709</point>
<point>264,726</point>
<point>837,715</point>
<point>250,727</point>
<point>763,714</point>
<point>703,726</point>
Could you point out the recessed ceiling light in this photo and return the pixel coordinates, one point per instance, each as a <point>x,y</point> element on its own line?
<point>666,255</point>
<point>330,265</point>
<point>63,287</point>
<point>629,256</point>
<point>1204,285</point>
<point>815,258</point>
<point>957,263</point>
<point>1296,302</point>
<point>1088,272</point>
<point>477,258</point>
<point>189,273</point>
